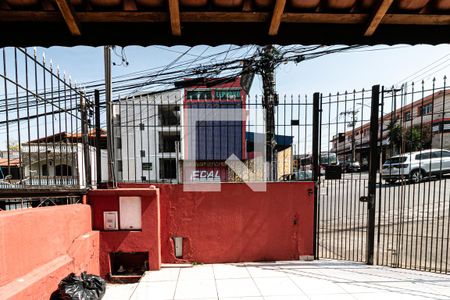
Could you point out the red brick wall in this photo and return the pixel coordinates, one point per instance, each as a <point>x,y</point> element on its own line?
<point>237,224</point>
<point>145,240</point>
<point>40,246</point>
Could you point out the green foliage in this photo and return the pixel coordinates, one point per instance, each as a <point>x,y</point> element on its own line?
<point>417,137</point>
<point>395,135</point>
<point>413,138</point>
<point>13,146</point>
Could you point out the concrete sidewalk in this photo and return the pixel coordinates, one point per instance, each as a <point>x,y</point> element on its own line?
<point>286,280</point>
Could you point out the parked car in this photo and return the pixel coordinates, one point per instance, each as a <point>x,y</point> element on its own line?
<point>287,177</point>
<point>304,175</point>
<point>415,166</point>
<point>327,159</point>
<point>351,166</point>
<point>299,175</point>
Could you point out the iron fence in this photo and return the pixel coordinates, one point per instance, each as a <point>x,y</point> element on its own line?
<point>169,138</point>
<point>33,202</point>
<point>45,122</point>
<point>391,204</point>
<point>342,221</point>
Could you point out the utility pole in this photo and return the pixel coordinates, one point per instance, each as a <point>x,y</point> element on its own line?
<point>85,140</point>
<point>109,131</point>
<point>270,100</point>
<point>352,123</point>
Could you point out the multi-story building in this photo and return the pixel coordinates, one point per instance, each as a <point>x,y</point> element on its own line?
<point>215,139</point>
<point>429,112</point>
<point>148,136</point>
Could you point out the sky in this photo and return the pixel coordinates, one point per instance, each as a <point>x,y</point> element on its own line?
<point>339,72</point>
<point>356,69</point>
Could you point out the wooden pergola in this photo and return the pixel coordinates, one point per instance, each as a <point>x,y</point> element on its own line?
<point>191,22</point>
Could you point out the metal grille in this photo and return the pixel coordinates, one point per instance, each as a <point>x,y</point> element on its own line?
<point>154,138</point>
<point>397,214</point>
<point>44,123</point>
<point>342,217</point>
<point>413,219</point>
<point>33,202</point>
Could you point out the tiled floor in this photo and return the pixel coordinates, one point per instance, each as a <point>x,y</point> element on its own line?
<point>324,279</point>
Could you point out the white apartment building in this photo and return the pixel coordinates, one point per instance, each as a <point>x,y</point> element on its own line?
<point>148,135</point>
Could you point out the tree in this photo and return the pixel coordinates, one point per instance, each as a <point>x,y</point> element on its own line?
<point>13,146</point>
<point>395,136</point>
<point>417,137</point>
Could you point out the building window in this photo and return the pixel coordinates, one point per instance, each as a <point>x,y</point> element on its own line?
<point>63,170</point>
<point>119,143</point>
<point>167,168</point>
<point>169,115</point>
<point>119,166</point>
<point>198,95</point>
<point>142,153</point>
<point>227,94</point>
<point>147,166</point>
<point>426,109</point>
<point>44,170</point>
<point>167,141</point>
<point>407,116</point>
<point>142,126</point>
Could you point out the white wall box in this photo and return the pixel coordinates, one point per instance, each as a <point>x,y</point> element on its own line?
<point>110,220</point>
<point>130,213</point>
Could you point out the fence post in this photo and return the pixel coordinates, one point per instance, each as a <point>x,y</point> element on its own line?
<point>85,140</point>
<point>315,163</point>
<point>97,137</point>
<point>373,165</point>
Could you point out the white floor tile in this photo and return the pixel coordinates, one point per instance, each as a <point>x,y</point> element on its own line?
<point>119,291</point>
<point>332,297</point>
<point>244,298</point>
<point>239,287</point>
<point>266,271</point>
<point>226,271</point>
<point>169,274</point>
<point>159,290</point>
<point>313,286</point>
<point>202,272</point>
<point>277,286</point>
<point>195,289</point>
<point>324,279</point>
<point>291,297</point>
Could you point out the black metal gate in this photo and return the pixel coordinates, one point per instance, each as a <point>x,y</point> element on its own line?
<point>345,179</point>
<point>382,157</point>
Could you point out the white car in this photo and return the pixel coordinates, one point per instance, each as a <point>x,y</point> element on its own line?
<point>415,166</point>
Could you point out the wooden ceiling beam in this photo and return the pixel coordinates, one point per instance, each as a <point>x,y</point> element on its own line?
<point>378,17</point>
<point>276,17</point>
<point>129,5</point>
<point>174,12</point>
<point>427,9</point>
<point>247,5</point>
<point>68,13</point>
<point>228,17</point>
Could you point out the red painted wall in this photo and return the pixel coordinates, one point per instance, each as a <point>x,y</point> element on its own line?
<point>145,240</point>
<point>40,246</point>
<point>237,224</point>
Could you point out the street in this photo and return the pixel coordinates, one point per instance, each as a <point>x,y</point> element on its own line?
<point>412,222</point>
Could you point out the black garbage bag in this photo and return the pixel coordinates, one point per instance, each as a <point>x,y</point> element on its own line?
<point>84,287</point>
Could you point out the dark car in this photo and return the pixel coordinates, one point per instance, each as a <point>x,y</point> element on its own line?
<point>350,166</point>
